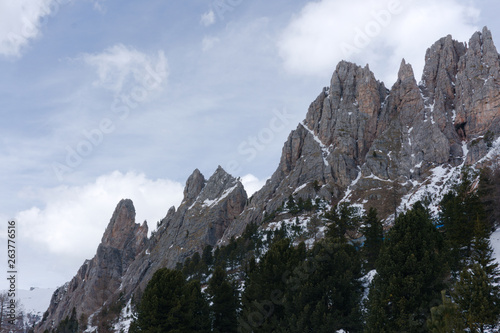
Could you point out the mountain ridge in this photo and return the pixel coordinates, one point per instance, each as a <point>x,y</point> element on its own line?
<point>359,142</point>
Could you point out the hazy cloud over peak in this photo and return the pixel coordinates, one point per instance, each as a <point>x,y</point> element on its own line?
<point>374,32</point>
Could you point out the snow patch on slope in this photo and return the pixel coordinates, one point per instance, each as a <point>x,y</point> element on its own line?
<point>493,153</point>
<point>210,203</point>
<point>324,149</point>
<point>36,300</point>
<point>125,318</point>
<point>436,186</point>
<point>348,192</point>
<point>495,244</point>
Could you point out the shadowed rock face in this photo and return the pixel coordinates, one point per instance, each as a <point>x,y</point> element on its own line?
<point>378,144</point>
<point>126,259</point>
<point>98,278</point>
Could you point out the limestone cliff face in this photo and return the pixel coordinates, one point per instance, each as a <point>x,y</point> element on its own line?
<point>126,260</point>
<point>98,278</point>
<point>384,144</point>
<point>359,142</point>
<point>208,208</point>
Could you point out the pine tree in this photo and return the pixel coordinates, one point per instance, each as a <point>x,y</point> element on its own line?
<point>224,297</point>
<point>266,291</point>
<point>343,218</point>
<point>170,304</point>
<point>374,234</point>
<point>207,256</point>
<point>477,291</point>
<point>489,192</point>
<point>460,209</point>
<point>445,318</point>
<point>69,324</point>
<point>313,226</point>
<point>324,292</point>
<point>411,270</point>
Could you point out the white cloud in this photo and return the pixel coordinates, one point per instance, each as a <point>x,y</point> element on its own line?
<point>208,43</point>
<point>369,31</point>
<point>122,68</point>
<point>208,18</point>
<point>20,22</point>
<point>252,184</point>
<point>73,219</point>
<point>98,6</point>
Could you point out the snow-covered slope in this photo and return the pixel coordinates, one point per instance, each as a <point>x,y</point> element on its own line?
<point>36,300</point>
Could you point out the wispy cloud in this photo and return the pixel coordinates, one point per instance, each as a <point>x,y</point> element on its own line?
<point>98,6</point>
<point>121,67</point>
<point>208,43</point>
<point>208,18</point>
<point>366,31</point>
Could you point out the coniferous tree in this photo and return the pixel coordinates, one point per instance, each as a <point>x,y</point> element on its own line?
<point>445,318</point>
<point>324,292</point>
<point>374,234</point>
<point>343,218</point>
<point>411,270</point>
<point>489,192</point>
<point>170,304</point>
<point>477,292</point>
<point>459,211</point>
<point>69,324</point>
<point>207,256</point>
<point>291,205</point>
<point>266,291</point>
<point>313,226</point>
<point>224,299</point>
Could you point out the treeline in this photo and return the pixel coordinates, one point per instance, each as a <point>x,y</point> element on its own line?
<point>431,274</point>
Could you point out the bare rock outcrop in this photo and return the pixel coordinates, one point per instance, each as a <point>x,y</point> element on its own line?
<point>382,144</point>
<point>98,278</point>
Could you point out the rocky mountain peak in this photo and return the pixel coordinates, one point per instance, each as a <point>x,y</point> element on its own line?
<point>218,183</point>
<point>481,46</point>
<point>121,224</point>
<point>353,87</point>
<point>98,278</point>
<point>406,87</point>
<point>194,185</point>
<point>476,88</point>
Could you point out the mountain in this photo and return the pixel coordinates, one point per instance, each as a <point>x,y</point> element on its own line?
<point>32,304</point>
<point>360,142</point>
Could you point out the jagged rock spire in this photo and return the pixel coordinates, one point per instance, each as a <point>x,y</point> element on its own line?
<point>194,185</point>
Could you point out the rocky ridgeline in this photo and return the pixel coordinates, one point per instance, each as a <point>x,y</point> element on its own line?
<point>96,279</point>
<point>360,142</point>
<point>126,259</point>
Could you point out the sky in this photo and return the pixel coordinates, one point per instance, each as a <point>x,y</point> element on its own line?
<point>104,99</point>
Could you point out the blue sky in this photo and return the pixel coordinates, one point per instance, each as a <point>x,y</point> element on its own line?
<point>104,99</point>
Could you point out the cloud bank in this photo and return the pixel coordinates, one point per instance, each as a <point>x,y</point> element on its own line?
<point>21,21</point>
<point>380,33</point>
<point>71,220</point>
